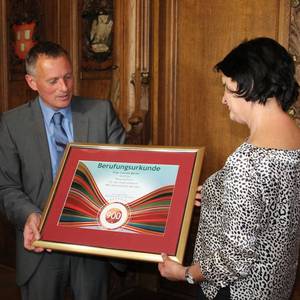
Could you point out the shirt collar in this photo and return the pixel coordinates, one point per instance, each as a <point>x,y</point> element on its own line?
<point>48,112</point>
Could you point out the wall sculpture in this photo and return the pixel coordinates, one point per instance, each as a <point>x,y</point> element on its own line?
<point>24,23</point>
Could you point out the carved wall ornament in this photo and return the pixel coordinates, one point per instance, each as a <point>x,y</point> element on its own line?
<point>295,3</point>
<point>24,38</point>
<point>139,119</point>
<point>294,49</point>
<point>97,35</point>
<point>24,23</point>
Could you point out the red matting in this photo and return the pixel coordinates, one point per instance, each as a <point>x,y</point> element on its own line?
<point>110,239</point>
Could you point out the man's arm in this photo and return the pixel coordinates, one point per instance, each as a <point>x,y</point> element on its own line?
<point>14,202</point>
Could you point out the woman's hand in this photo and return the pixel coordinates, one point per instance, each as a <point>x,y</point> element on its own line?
<point>170,269</point>
<point>198,196</point>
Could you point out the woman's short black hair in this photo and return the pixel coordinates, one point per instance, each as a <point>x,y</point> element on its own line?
<point>262,69</point>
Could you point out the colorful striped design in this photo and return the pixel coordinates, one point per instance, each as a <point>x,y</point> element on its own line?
<point>147,214</point>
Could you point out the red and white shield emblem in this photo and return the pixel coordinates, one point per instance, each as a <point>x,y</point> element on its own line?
<point>23,38</point>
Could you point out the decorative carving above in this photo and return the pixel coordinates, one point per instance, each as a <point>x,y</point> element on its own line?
<point>97,35</point>
<point>295,3</point>
<point>139,120</point>
<point>294,48</point>
<point>24,24</point>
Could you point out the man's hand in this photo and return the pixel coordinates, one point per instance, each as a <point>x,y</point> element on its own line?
<point>31,232</point>
<point>170,269</point>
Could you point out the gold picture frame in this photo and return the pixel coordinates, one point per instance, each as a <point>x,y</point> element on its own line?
<point>121,201</point>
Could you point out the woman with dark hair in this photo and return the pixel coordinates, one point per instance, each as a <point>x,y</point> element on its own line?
<point>248,238</point>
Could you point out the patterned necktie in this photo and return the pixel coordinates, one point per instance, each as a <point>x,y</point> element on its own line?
<point>60,135</point>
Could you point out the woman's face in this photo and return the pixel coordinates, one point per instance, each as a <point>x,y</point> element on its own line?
<point>238,106</point>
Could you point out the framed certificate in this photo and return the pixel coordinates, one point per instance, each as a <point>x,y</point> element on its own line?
<point>132,202</point>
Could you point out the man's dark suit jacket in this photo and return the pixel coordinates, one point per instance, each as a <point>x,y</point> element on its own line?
<point>25,166</point>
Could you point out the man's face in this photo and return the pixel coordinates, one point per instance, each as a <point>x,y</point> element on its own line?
<point>53,80</point>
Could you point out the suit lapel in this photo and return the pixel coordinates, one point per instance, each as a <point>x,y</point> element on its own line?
<point>80,122</point>
<point>40,135</point>
<point>80,128</point>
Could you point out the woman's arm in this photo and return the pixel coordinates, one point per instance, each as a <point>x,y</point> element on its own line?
<point>174,271</point>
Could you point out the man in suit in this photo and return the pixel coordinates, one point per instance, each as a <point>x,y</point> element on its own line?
<point>28,165</point>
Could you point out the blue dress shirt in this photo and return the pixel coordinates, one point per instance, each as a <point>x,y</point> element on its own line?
<point>67,124</point>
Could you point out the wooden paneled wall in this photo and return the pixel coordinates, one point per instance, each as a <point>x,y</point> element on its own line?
<point>187,38</point>
<point>59,22</point>
<point>186,97</point>
<point>194,35</point>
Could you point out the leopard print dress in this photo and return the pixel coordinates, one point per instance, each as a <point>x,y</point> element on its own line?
<point>249,228</point>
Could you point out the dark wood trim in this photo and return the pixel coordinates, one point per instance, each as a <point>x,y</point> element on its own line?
<point>284,17</point>
<point>3,58</point>
<point>74,47</point>
<point>166,130</point>
<point>154,69</point>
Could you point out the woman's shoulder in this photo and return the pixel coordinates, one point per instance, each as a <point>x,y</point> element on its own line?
<point>280,134</point>
<point>265,159</point>
<point>249,150</point>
